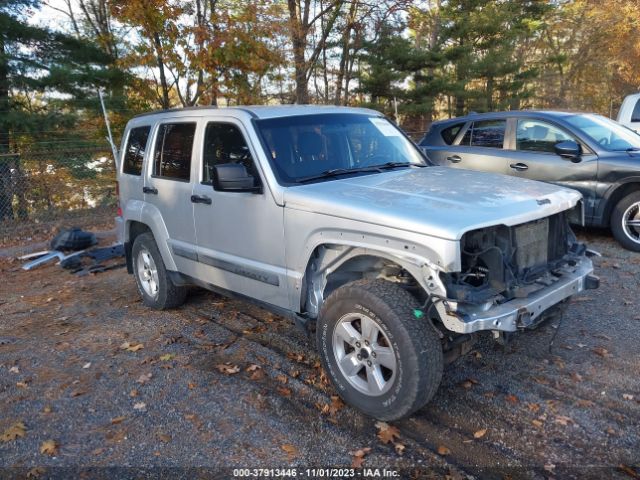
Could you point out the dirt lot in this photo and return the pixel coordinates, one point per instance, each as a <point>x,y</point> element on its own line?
<point>90,379</point>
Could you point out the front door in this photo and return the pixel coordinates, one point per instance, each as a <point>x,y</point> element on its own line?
<point>534,158</point>
<point>240,235</point>
<point>167,189</point>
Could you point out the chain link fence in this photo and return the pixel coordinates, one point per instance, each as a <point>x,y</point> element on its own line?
<point>61,184</point>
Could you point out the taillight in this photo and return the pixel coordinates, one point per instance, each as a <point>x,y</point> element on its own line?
<point>119,211</point>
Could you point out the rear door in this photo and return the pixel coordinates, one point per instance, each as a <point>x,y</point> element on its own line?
<point>534,157</point>
<point>477,146</point>
<point>168,187</point>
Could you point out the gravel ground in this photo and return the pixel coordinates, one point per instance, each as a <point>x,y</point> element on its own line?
<point>219,384</point>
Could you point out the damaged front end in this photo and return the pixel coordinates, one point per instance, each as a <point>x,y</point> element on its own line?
<point>511,275</point>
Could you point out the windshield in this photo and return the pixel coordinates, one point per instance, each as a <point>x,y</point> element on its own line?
<point>308,146</point>
<point>609,134</point>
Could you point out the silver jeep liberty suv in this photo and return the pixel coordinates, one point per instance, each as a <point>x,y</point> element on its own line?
<point>333,217</point>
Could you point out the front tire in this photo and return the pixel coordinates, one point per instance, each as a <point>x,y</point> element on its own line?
<point>381,358</point>
<point>155,287</point>
<point>625,222</point>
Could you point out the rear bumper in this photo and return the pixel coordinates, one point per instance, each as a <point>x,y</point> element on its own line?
<point>520,312</point>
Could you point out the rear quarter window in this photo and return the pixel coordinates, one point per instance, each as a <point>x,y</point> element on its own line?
<point>450,133</point>
<point>134,152</point>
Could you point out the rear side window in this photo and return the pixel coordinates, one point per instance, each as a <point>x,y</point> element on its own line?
<point>134,153</point>
<point>224,143</point>
<point>486,133</point>
<point>449,134</point>
<point>174,144</point>
<point>635,116</point>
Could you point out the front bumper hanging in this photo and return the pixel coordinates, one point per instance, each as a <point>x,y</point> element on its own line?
<point>520,312</point>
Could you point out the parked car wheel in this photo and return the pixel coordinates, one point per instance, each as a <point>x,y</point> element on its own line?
<point>625,222</point>
<point>155,287</point>
<point>381,358</point>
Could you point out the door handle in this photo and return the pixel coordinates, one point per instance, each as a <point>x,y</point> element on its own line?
<point>201,199</point>
<point>454,159</point>
<point>521,167</point>
<point>152,190</point>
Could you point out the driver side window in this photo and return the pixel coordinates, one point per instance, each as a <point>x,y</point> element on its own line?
<point>224,143</point>
<point>539,136</point>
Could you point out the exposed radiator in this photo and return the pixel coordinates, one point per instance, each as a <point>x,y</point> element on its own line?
<point>532,244</point>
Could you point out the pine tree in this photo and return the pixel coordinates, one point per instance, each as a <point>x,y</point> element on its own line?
<point>35,63</point>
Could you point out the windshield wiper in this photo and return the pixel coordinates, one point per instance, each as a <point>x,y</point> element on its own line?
<point>400,164</point>
<point>334,172</point>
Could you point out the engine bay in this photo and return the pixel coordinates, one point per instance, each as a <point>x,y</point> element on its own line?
<point>501,263</point>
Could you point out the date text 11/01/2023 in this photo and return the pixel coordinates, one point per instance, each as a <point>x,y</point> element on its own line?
<point>315,473</point>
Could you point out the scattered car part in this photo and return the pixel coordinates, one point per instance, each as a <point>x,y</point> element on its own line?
<point>48,257</point>
<point>29,256</point>
<point>73,239</point>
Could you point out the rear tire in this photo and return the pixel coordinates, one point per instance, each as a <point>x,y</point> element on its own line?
<point>625,222</point>
<point>154,285</point>
<point>381,358</point>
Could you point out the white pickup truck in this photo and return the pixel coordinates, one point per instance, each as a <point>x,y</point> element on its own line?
<point>629,114</point>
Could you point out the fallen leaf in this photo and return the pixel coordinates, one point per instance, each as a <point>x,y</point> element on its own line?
<point>282,379</point>
<point>627,396</point>
<point>15,431</point>
<point>601,351</point>
<point>576,377</point>
<point>387,433</point>
<point>77,393</point>
<point>227,368</point>
<point>163,437</point>
<point>167,356</point>
<point>192,385</point>
<point>117,420</point>
<point>22,385</point>
<point>49,447</point>
<point>358,457</point>
<point>442,450</point>
<point>87,365</point>
<point>533,407</point>
<point>47,409</point>
<point>480,433</point>
<point>14,370</point>
<point>562,420</point>
<point>140,406</point>
<point>399,447</point>
<point>144,378</point>
<point>512,399</point>
<point>131,347</point>
<point>284,391</point>
<point>581,345</point>
<point>133,393</point>
<point>290,450</point>
<point>611,431</point>
<point>537,423</point>
<point>336,404</point>
<point>36,472</point>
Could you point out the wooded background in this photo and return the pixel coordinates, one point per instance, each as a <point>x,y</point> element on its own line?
<point>416,61</point>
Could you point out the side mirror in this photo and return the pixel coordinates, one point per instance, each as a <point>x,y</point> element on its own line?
<point>569,150</point>
<point>233,177</point>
